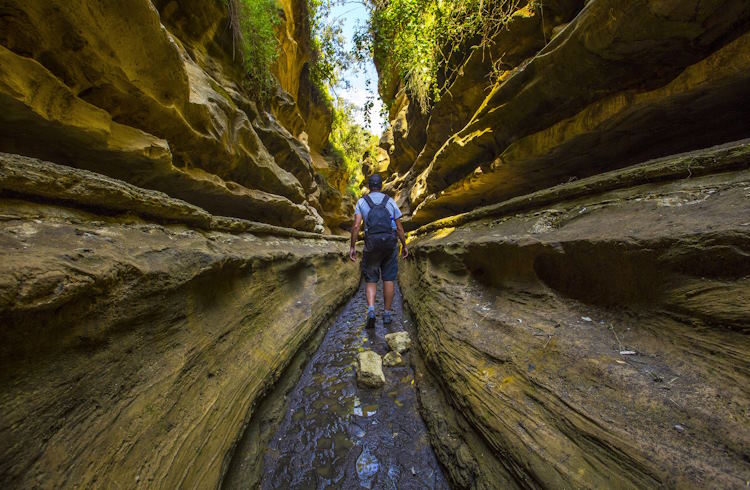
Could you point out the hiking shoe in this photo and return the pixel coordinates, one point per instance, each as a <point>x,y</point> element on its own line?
<point>387,318</point>
<point>370,319</point>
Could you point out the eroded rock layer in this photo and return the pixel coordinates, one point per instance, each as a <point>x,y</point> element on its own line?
<point>593,335</point>
<point>151,93</point>
<point>139,331</point>
<point>544,247</point>
<point>567,91</point>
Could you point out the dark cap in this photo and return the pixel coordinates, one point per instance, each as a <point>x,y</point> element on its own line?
<point>375,182</point>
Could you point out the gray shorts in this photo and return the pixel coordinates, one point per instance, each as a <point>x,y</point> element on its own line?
<point>375,264</point>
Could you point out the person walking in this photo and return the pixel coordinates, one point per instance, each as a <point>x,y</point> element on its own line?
<point>382,220</point>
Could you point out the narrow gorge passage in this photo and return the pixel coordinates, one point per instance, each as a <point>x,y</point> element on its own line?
<point>179,182</point>
<point>336,434</point>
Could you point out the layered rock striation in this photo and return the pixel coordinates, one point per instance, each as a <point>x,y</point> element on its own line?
<point>577,91</point>
<point>139,331</point>
<point>152,94</point>
<point>578,200</point>
<point>593,335</point>
<point>160,239</point>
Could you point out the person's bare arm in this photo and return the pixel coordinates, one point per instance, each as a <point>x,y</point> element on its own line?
<point>402,239</point>
<point>355,234</point>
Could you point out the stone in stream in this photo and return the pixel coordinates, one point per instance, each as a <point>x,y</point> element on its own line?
<point>367,467</point>
<point>370,369</point>
<point>398,341</point>
<point>393,358</point>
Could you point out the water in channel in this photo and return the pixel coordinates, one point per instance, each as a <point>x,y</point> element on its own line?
<point>338,435</point>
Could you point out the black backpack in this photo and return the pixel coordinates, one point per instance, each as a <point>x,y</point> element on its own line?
<point>379,235</point>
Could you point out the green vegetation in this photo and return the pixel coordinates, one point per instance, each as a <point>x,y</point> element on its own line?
<point>330,56</point>
<point>413,40</point>
<point>253,24</point>
<point>348,143</point>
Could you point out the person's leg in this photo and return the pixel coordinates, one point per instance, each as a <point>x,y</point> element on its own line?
<point>370,289</point>
<point>390,270</point>
<point>371,271</point>
<point>388,294</point>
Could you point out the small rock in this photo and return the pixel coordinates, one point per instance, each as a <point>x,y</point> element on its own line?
<point>370,369</point>
<point>627,353</point>
<point>393,359</point>
<point>679,428</point>
<point>398,341</point>
<point>586,318</point>
<point>367,466</point>
<point>357,431</point>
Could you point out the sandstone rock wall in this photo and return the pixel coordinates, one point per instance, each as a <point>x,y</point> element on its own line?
<point>557,222</point>
<point>160,240</point>
<point>577,91</point>
<point>306,112</point>
<point>140,331</point>
<point>594,335</point>
<point>151,93</point>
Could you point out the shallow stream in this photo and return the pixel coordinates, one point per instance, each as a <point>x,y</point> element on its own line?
<point>336,434</point>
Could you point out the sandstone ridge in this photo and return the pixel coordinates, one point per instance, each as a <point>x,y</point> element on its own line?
<point>584,351</point>
<point>151,93</point>
<point>139,331</point>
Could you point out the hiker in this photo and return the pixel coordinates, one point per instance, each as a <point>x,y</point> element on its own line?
<point>382,220</point>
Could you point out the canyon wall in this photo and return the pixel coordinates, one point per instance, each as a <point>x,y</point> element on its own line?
<point>578,200</point>
<point>139,330</point>
<point>160,240</point>
<point>594,335</point>
<point>618,84</point>
<point>152,94</point>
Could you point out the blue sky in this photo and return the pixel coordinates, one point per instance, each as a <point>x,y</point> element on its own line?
<point>352,15</point>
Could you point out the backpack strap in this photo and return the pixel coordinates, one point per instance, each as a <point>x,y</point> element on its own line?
<point>368,200</point>
<point>385,200</point>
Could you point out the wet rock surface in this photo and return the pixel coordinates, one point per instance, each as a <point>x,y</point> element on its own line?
<point>370,369</point>
<point>337,435</point>
<point>392,359</point>
<point>398,341</point>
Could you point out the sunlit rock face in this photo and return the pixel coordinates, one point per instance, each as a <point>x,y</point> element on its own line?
<point>585,197</point>
<point>160,242</point>
<point>140,331</point>
<point>151,93</point>
<point>593,335</point>
<point>579,91</point>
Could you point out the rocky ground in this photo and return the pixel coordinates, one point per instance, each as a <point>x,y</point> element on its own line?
<point>336,434</point>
